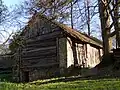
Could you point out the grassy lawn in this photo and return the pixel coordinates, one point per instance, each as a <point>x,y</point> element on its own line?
<point>99,84</point>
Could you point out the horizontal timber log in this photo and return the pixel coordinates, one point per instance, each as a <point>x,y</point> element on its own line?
<point>40,60</point>
<point>46,36</point>
<point>40,49</point>
<point>39,53</point>
<point>39,57</point>
<point>40,41</point>
<point>37,46</point>
<point>42,65</point>
<point>41,44</point>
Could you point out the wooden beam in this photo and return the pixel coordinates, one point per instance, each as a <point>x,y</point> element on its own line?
<point>57,48</point>
<point>35,59</point>
<point>35,41</point>
<point>45,36</point>
<point>39,56</point>
<point>40,49</point>
<point>43,65</point>
<point>41,44</point>
<point>39,53</point>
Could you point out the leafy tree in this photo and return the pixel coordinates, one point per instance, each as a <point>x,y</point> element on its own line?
<point>15,42</point>
<point>105,24</point>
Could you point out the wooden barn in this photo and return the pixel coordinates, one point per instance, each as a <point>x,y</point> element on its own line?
<point>50,48</point>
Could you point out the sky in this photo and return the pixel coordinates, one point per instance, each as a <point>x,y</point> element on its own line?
<point>11,2</point>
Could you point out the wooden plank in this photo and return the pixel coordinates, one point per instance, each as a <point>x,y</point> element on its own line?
<point>40,41</point>
<point>41,53</point>
<point>38,61</point>
<point>38,46</point>
<point>42,65</point>
<point>57,48</point>
<point>40,49</point>
<point>45,36</point>
<point>39,58</point>
<point>41,44</point>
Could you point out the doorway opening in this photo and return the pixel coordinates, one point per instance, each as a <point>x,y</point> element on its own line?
<point>26,76</point>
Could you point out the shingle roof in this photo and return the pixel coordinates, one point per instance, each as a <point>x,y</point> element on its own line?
<point>83,37</point>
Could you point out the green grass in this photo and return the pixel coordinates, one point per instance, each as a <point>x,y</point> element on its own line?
<point>100,84</point>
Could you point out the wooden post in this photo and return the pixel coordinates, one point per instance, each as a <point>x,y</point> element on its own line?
<point>19,63</point>
<point>57,50</point>
<point>62,54</point>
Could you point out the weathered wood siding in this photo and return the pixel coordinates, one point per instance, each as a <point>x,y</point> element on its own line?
<point>35,53</point>
<point>39,26</point>
<point>62,54</point>
<point>70,58</point>
<point>39,56</point>
<point>82,54</point>
<point>93,56</point>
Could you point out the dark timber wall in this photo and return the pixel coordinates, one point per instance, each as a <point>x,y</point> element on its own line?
<point>39,57</point>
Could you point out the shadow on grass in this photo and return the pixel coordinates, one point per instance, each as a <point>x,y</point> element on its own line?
<point>74,78</point>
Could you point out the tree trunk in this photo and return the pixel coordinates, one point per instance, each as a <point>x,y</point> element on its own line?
<point>88,17</point>
<point>116,17</point>
<point>105,24</point>
<point>71,15</point>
